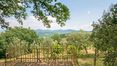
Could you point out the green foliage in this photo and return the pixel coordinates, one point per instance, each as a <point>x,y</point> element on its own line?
<point>79,39</point>
<point>46,42</point>
<point>104,35</point>
<point>56,50</point>
<point>71,49</point>
<point>21,33</point>
<point>41,9</point>
<point>17,38</point>
<point>18,48</point>
<point>2,53</point>
<point>64,42</point>
<point>56,37</point>
<point>23,41</point>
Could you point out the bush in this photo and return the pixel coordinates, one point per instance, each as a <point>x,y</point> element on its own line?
<point>56,50</point>
<point>2,53</point>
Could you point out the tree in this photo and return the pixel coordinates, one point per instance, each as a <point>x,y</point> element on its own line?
<point>57,49</point>
<point>78,41</point>
<point>104,35</point>
<point>46,42</point>
<point>64,43</point>
<point>18,48</point>
<point>28,36</point>
<point>56,37</point>
<point>73,51</point>
<point>41,9</point>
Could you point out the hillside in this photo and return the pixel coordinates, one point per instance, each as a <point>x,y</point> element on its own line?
<point>51,32</point>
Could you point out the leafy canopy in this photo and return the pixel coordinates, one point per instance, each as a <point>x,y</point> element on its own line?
<point>39,8</point>
<point>104,35</point>
<point>18,40</point>
<point>21,33</point>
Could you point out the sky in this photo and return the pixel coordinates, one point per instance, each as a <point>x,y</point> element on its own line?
<point>82,14</point>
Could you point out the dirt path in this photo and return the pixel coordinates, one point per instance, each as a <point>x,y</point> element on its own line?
<point>63,63</point>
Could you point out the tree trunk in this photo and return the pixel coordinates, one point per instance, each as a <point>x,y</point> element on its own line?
<point>86,50</point>
<point>75,61</point>
<point>95,57</point>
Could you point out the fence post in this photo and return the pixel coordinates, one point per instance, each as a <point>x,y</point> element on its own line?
<point>37,55</point>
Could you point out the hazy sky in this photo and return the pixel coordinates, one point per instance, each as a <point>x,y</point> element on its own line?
<point>83,13</point>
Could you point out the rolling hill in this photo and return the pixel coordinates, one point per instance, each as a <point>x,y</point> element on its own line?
<point>41,32</point>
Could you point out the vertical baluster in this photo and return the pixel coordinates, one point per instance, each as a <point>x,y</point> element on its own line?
<point>37,55</point>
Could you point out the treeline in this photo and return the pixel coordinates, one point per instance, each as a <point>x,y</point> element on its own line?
<point>19,41</point>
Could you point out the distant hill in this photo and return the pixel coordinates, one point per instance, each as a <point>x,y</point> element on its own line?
<point>51,32</point>
<point>42,33</point>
